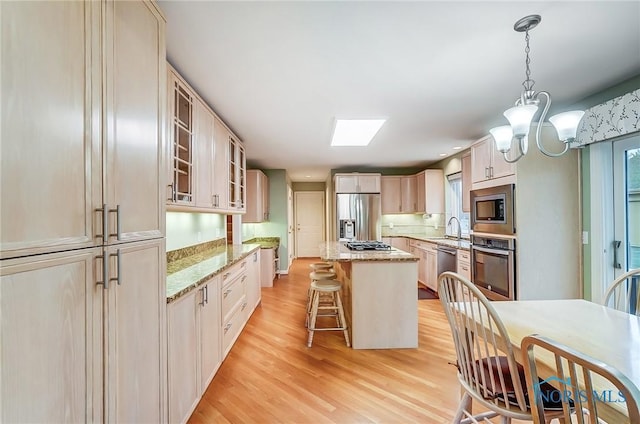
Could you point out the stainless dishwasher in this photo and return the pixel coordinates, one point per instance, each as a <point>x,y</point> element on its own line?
<point>446,259</point>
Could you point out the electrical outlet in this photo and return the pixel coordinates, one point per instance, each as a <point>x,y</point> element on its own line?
<point>585,237</point>
<point>199,236</point>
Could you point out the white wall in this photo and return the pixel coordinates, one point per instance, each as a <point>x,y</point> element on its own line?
<point>187,229</point>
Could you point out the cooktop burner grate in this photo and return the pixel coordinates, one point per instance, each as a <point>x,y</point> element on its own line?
<point>367,245</point>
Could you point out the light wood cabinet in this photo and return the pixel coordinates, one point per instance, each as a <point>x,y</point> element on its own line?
<point>430,191</point>
<point>90,166</point>
<point>390,194</point>
<point>267,267</point>
<point>51,335</point>
<point>487,162</point>
<point>257,197</point>
<point>194,353</point>
<point>431,267</point>
<point>221,166</point>
<point>408,193</point>
<point>253,282</point>
<point>466,182</point>
<point>357,183</point>
<point>204,159</point>
<point>401,243</point>
<point>182,106</point>
<point>464,263</point>
<point>237,175</point>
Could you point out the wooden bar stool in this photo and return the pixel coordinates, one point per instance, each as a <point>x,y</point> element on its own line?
<point>331,288</point>
<point>320,266</point>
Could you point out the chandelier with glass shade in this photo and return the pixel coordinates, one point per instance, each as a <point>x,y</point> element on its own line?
<point>521,115</point>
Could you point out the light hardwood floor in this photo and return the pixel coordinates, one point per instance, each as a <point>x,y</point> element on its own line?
<point>271,376</point>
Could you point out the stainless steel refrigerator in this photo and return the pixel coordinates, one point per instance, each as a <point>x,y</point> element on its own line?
<point>358,216</point>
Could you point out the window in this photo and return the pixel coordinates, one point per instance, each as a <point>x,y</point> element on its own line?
<point>455,206</point>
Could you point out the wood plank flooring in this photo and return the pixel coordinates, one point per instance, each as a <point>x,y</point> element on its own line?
<point>271,376</point>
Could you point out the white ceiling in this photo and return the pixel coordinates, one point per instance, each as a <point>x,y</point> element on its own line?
<point>442,73</point>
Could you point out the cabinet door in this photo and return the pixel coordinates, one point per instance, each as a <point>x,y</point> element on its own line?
<point>480,161</point>
<point>221,166</point>
<point>500,167</point>
<point>346,183</point>
<point>242,177</point>
<point>181,108</point>
<point>421,192</point>
<point>203,148</point>
<point>267,270</point>
<point>253,280</point>
<point>50,166</point>
<point>466,183</point>
<point>136,333</point>
<point>255,204</point>
<point>422,266</point>
<point>51,339</point>
<point>135,80</point>
<point>182,343</point>
<point>434,191</point>
<point>409,193</point>
<point>369,184</point>
<point>265,196</point>
<point>432,269</point>
<point>391,194</point>
<point>210,341</point>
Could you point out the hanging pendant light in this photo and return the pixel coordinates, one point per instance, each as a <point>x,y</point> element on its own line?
<point>521,115</point>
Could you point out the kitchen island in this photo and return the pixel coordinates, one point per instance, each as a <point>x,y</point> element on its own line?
<point>380,295</point>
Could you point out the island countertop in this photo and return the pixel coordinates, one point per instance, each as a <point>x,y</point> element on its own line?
<point>337,251</point>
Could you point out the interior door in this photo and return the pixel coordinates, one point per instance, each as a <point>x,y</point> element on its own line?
<point>626,204</point>
<point>309,217</point>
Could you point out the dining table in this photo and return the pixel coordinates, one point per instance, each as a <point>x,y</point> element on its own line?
<point>606,334</point>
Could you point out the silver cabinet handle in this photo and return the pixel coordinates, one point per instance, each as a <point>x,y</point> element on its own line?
<point>206,294</point>
<point>105,223</point>
<point>243,278</point>
<point>464,268</point>
<point>118,256</point>
<point>244,305</point>
<point>616,246</point>
<point>243,264</point>
<point>486,172</point>
<point>226,328</point>
<point>226,293</point>
<point>202,302</point>
<point>225,276</point>
<point>117,212</point>
<point>172,195</point>
<point>105,270</point>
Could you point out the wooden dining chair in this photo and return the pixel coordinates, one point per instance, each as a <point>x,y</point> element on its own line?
<point>487,368</point>
<point>624,293</point>
<point>574,378</point>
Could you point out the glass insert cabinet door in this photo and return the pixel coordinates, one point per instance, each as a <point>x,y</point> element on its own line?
<point>626,204</point>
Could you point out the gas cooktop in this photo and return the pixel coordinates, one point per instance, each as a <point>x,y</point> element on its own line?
<point>367,245</point>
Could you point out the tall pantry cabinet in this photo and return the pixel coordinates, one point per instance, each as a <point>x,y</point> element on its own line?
<point>82,271</point>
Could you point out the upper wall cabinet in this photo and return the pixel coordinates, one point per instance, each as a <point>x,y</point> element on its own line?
<point>466,182</point>
<point>357,183</point>
<point>257,197</point>
<point>430,191</point>
<point>488,164</point>
<point>398,194</point>
<point>208,165</point>
<point>82,125</point>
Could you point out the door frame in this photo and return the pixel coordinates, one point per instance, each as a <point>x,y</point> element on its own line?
<point>321,195</point>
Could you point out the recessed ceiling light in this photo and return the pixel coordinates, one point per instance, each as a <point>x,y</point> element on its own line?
<point>457,148</point>
<point>307,176</point>
<point>355,132</point>
<point>443,154</point>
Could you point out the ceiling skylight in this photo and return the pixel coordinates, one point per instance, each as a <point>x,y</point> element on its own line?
<point>355,132</point>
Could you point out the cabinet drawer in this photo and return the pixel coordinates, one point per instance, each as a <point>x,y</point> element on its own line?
<point>464,256</point>
<point>464,269</point>
<point>233,325</point>
<point>232,294</point>
<point>232,272</point>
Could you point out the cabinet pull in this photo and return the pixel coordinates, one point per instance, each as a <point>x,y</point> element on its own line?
<point>105,271</point>
<point>464,268</point>
<point>226,274</point>
<point>105,223</point>
<point>172,195</point>
<point>226,293</point>
<point>117,212</point>
<point>226,328</point>
<point>206,294</point>
<point>243,264</point>
<point>117,255</point>
<point>486,172</point>
<point>244,305</point>
<point>243,278</point>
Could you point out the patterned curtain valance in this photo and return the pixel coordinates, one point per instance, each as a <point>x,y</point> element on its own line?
<point>614,118</point>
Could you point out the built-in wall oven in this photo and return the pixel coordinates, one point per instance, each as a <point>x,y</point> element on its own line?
<point>493,266</point>
<point>493,210</point>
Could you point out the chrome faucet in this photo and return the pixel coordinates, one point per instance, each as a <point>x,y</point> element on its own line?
<point>459,226</point>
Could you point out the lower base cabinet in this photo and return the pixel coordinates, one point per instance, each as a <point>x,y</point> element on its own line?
<point>267,267</point>
<point>202,326</point>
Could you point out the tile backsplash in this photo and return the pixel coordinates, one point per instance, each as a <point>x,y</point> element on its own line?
<point>428,225</point>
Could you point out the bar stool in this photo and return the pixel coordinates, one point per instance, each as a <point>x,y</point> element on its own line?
<point>316,276</point>
<point>331,288</point>
<point>321,266</point>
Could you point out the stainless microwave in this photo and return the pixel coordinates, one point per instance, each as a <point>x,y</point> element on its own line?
<point>493,210</point>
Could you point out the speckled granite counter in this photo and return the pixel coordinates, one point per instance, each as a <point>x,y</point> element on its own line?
<point>265,242</point>
<point>188,273</point>
<point>337,251</point>
<point>463,244</point>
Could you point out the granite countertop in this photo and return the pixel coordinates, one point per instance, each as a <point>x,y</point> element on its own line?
<point>336,251</point>
<point>265,242</point>
<point>463,244</point>
<point>186,274</point>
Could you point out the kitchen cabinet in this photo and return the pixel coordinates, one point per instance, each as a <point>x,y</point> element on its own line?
<point>220,193</point>
<point>237,175</point>
<point>194,353</point>
<point>253,281</point>
<point>268,262</point>
<point>401,243</point>
<point>182,105</point>
<point>257,197</point>
<point>398,194</point>
<point>466,182</point>
<point>204,156</point>
<point>90,171</point>
<point>464,263</point>
<point>430,191</point>
<point>487,163</point>
<point>78,177</point>
<point>431,267</point>
<point>234,302</point>
<point>357,183</point>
